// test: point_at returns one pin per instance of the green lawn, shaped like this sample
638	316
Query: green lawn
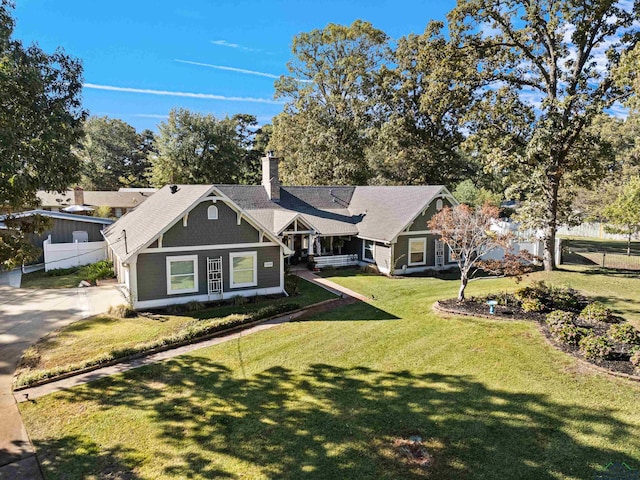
42	279
327	398
87	341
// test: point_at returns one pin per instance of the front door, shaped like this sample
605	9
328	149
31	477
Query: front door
439	253
214	275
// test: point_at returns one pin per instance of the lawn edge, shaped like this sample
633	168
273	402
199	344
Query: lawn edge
437	306
164	348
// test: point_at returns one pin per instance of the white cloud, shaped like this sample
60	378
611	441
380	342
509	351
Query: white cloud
224	43
230	69
204	96
150	115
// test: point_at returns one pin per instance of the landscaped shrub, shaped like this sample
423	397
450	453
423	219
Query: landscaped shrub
559	317
535	291
60	272
595	312
122	311
191	331
292	284
624	333
635	358
239	300
194	306
562	298
567	333
595	347
98	271
532	305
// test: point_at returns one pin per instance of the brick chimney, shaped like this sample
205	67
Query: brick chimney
78	196
270	178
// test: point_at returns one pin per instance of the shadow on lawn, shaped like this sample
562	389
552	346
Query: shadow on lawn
334	423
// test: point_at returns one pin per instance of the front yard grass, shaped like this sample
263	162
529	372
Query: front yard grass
103	338
330	397
42	279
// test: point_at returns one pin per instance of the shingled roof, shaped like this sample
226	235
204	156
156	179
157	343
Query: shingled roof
152	218
372	212
94	198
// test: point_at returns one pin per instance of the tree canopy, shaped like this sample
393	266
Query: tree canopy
322	132
548	66
114	155
40	123
199	148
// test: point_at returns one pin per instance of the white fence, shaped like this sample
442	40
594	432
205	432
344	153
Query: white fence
336	261
67	255
590	230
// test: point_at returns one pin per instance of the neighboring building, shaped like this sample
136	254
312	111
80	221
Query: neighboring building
208	242
79	200
73	240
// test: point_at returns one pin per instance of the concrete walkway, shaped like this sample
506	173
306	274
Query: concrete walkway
331	286
26	316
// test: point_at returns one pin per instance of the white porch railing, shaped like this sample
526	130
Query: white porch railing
336	261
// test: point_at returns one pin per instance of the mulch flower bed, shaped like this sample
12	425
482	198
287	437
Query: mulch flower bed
617	361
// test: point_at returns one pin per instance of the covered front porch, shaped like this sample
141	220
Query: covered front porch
323	250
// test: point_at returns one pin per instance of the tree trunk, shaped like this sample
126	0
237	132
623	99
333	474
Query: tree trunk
463	285
629	245
549	235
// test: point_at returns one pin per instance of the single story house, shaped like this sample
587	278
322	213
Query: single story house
210	242
72	240
80	200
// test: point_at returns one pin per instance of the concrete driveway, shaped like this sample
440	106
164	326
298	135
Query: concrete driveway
25	316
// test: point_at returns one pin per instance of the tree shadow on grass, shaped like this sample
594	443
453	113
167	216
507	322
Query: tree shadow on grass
331	422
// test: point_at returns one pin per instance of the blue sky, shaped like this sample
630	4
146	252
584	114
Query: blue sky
145	46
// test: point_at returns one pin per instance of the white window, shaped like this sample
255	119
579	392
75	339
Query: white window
243	269
80	236
439	204
118	212
417	251
212	212
182	274
367	250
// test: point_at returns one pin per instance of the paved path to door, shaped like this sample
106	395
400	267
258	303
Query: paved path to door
26	316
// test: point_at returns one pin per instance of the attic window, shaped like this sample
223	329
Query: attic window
439	204
212	212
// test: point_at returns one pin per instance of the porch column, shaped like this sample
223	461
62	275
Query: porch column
310	246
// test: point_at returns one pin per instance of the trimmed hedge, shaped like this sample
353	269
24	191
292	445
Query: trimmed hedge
191	331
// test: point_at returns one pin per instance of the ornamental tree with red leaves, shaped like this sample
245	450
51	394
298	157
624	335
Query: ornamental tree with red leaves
467	232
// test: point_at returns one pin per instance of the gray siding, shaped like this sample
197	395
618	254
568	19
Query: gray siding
152	271
202	231
420	223
401	250
62	232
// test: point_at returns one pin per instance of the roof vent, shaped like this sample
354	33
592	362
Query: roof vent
173	188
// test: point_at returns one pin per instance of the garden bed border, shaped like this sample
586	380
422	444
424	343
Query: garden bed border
438	307
171	346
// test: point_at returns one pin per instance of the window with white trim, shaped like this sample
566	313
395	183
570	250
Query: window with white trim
182	274
417	251
212	213
367	250
243	269
439	204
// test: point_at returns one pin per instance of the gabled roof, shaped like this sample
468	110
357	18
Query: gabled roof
384	211
121	199
323	208
159	213
61	216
